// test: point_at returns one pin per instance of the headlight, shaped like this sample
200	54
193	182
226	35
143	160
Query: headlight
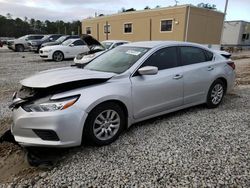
53	105
47	51
90	56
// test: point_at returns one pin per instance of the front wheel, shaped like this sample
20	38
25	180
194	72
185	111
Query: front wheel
215	94
58	56
19	48
104	124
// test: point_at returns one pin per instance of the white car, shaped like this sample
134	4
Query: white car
110	44
68	49
84	58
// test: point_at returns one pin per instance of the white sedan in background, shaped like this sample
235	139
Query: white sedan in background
84	58
68	49
110	44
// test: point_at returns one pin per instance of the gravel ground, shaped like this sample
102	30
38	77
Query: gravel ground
195	147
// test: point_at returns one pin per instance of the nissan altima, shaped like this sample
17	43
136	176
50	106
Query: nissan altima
137	81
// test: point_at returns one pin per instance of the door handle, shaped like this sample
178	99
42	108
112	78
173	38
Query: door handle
177	76
210	68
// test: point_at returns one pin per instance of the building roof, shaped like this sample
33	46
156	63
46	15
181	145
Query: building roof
237	21
151	10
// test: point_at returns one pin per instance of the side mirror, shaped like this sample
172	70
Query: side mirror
71	45
148	70
50	39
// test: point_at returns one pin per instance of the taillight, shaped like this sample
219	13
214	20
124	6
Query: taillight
231	64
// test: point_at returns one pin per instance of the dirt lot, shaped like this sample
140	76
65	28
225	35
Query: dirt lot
15	171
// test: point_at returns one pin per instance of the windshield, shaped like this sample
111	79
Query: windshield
67	42
117	60
107	45
61	39
23	37
45	37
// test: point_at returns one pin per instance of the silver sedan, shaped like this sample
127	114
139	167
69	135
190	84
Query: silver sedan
137	81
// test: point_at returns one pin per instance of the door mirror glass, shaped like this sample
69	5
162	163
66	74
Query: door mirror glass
148	70
71	45
50	39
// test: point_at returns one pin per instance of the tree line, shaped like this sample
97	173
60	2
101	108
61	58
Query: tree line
17	27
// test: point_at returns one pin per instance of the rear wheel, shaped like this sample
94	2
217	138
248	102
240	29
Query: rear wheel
104	124
215	94
58	56
19	48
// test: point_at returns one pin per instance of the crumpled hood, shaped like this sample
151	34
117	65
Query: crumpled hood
60	76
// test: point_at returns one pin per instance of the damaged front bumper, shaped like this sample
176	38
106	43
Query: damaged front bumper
48	129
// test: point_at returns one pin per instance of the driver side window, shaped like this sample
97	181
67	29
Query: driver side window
79	43
165	58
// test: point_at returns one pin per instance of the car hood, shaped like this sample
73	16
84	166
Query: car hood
61	76
90	41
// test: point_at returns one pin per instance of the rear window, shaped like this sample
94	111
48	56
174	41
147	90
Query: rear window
209	55
192	55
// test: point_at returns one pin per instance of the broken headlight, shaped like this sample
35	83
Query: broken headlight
52	105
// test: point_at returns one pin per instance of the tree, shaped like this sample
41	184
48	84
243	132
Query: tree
147	8
207	6
18	27
158	6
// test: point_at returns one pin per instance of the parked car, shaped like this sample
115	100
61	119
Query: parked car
21	44
68	49
134	82
60	40
35	45
1	44
110	44
83	58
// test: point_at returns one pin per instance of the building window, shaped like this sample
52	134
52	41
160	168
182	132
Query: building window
166	25
128	28
88	30
245	36
107	29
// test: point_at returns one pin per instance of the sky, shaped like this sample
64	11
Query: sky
69	10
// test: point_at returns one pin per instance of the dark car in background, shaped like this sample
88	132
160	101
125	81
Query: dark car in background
35	45
60	40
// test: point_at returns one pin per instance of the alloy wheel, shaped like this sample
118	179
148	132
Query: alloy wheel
58	56
217	94
106	125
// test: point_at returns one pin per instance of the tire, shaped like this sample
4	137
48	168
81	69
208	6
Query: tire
216	93
19	48
58	56
98	128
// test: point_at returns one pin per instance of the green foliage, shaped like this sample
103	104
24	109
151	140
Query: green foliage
10	27
207	5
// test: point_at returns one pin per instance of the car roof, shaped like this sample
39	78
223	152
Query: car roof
153	44
115	41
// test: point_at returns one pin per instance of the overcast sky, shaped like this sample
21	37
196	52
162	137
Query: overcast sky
68	10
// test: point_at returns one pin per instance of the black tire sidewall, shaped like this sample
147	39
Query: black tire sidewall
209	102
54	55
88	133
19	48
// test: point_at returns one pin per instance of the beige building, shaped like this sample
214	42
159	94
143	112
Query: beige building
180	23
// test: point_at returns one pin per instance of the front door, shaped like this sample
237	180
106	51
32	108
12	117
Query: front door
153	94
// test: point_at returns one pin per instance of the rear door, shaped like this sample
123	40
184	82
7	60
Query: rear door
153	94
198	67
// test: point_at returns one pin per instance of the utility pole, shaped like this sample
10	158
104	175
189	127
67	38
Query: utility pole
225	13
